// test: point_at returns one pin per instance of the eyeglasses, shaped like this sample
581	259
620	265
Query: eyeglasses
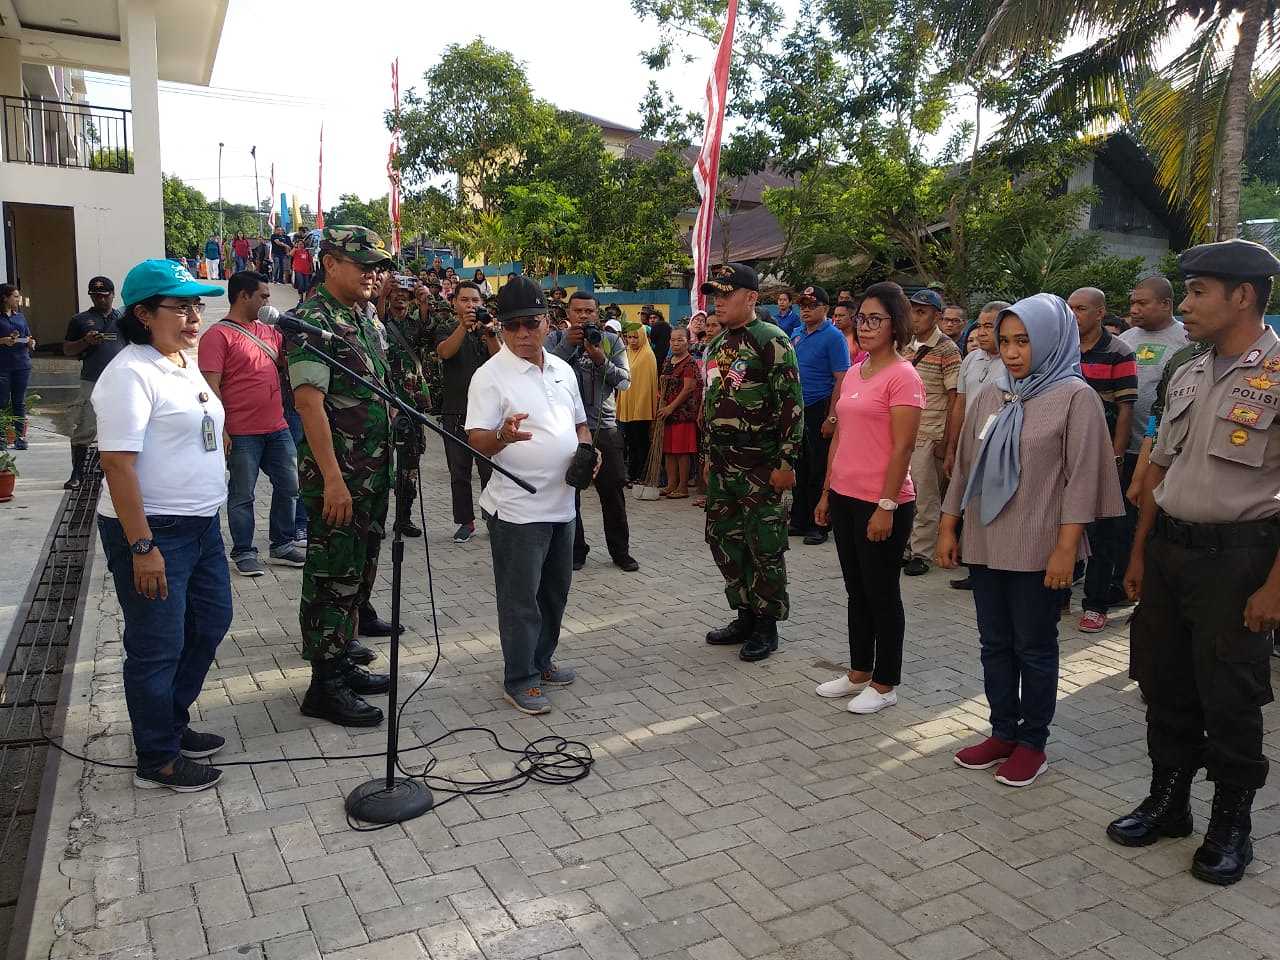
186	309
871	321
515	323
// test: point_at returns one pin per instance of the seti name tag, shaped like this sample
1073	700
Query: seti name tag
986	427
209	434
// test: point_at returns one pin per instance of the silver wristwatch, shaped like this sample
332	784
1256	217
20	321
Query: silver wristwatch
887	504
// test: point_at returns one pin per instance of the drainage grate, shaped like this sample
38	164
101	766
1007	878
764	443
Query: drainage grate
32	662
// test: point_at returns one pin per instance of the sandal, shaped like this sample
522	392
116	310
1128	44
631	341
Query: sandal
677	496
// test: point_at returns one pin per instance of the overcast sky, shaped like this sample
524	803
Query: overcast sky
331	60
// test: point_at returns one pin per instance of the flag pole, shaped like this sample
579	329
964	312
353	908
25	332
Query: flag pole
706	169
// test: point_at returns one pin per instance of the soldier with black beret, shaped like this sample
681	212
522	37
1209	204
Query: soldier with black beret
1205	565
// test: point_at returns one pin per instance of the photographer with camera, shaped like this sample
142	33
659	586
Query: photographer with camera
599	360
462	346
525	411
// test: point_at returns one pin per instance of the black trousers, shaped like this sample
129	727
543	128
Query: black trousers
873	580
611	485
812	468
460	459
636	436
1127	525
1204	675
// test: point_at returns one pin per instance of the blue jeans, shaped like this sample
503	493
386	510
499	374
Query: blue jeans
277	268
532	569
13	394
1018	631
275	455
169	644
241	263
291	417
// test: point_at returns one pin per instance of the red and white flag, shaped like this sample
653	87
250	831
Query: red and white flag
271	219
706	170
393	175
320	184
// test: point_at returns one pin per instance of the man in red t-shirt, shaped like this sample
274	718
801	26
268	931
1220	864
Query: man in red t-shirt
242	359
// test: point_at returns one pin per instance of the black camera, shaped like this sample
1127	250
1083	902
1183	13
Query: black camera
592	334
483	323
582	467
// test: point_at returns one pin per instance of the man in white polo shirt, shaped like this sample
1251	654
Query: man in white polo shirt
525	411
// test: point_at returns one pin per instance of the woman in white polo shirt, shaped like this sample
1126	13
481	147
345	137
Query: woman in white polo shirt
160	439
524	410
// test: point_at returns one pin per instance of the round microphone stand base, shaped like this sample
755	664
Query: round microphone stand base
372	802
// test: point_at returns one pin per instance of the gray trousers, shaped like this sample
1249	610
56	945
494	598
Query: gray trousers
85	430
532	570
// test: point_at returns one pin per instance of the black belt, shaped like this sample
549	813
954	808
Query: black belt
1218	536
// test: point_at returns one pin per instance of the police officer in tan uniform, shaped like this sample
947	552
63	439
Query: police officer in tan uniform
1205	565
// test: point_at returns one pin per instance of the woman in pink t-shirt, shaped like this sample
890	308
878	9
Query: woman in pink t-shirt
869	500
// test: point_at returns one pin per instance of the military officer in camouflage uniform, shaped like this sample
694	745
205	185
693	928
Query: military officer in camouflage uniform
344	473
1205	564
407	375
753	430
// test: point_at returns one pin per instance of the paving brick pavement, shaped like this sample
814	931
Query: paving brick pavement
731	813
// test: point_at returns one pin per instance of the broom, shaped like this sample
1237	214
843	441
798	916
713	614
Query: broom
650	487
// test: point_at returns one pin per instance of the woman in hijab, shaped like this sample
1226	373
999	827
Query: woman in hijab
638	404
1034	468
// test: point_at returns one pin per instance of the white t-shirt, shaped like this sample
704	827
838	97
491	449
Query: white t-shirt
507	385
1152	353
147	404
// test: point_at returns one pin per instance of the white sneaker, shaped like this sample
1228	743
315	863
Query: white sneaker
841	686
872	700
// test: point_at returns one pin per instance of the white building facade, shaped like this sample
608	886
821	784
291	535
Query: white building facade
80	185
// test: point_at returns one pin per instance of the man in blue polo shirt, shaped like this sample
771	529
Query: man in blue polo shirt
822	354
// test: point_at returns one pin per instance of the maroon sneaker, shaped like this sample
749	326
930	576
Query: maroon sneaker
985	754
1021	769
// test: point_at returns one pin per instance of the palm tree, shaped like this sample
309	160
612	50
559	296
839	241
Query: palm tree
1192	113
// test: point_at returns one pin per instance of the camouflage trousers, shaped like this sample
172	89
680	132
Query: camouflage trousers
747	533
342	563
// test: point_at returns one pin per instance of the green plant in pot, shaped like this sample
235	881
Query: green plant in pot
8	475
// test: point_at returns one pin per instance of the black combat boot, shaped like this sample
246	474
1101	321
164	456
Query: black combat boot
361	681
735	632
77	467
1227	849
1165	813
408	529
763	640
371	625
358	652
329	698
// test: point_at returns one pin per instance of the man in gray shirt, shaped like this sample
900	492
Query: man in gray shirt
1155	337
599	360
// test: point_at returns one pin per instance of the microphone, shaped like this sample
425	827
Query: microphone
290	323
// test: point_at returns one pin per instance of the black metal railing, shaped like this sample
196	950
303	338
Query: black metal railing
59	133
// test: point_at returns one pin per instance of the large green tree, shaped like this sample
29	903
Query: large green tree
1193	110
188	219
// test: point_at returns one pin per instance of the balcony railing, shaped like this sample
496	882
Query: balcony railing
58	133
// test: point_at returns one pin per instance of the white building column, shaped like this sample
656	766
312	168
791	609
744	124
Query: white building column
138	17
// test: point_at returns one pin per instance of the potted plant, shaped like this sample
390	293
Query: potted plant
8	475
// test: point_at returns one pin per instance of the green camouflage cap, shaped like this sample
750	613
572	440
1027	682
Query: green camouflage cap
355	243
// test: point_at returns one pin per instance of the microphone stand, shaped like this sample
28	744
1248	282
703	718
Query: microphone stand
393	799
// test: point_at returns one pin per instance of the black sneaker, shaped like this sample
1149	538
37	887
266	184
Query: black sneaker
187	777
815	538
464	532
197	746
916	567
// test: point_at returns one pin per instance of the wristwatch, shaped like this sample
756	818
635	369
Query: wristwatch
887	504
141	547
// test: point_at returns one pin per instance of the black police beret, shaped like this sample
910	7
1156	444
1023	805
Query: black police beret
1232	259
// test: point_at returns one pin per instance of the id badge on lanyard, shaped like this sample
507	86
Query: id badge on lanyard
208	429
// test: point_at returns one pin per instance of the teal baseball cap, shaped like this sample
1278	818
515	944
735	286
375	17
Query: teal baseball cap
166	278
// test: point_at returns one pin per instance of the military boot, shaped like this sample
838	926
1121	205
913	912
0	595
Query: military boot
735	632
358	652
1165	813
329	698
369	624
1227	849
763	640
361	681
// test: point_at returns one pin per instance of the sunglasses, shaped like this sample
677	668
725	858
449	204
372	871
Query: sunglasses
515	323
